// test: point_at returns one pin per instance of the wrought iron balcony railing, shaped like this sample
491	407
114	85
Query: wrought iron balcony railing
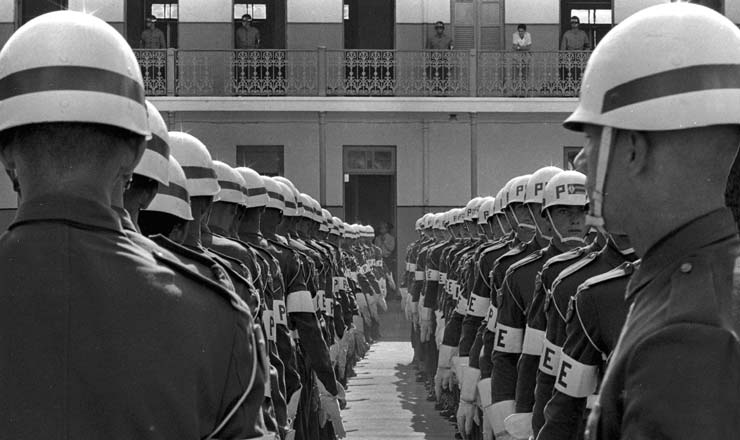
369	72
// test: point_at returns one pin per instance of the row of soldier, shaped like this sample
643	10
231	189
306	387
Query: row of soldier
511	290
149	291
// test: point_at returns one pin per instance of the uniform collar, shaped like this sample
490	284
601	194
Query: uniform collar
69	209
710	228
125	217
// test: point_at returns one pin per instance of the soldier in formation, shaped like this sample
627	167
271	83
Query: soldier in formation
581	338
172	296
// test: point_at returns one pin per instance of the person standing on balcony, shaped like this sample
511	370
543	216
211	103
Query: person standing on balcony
439	40
247	36
572	65
575	38
438	64
152	37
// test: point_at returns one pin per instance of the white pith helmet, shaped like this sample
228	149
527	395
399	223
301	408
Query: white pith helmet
154	163
289	200
275	193
565	188
67	66
516	190
231	183
196	162
537	183
173	198
486	210
254	188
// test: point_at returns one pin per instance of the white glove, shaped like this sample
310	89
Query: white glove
415	313
440	333
292	409
438	381
334	354
496	414
362	305
447	378
425	324
329	412
465	414
372	306
382	304
486	428
519	425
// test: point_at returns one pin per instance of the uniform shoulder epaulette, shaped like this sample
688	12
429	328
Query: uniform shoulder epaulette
494	247
573	268
228	261
221	290
623	270
566	256
177	248
534	256
279	244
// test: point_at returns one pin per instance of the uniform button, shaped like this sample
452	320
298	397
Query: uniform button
686	267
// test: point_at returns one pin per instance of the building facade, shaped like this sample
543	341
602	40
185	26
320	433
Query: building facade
343	98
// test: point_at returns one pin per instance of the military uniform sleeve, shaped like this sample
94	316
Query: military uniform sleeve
299	305
478	306
477	348
507	348
691	393
531	350
247	421
577	374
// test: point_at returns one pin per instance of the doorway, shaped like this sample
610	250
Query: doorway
268	16
30	9
596	17
370	188
369	24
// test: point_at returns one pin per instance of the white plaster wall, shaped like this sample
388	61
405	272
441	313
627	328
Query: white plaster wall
732	10
206	11
108	10
532	11
625	8
315	11
422	11
7	11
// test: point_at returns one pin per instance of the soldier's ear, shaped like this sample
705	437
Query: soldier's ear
6	154
634	151
133	154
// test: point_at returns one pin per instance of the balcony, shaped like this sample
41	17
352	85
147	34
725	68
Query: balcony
330	72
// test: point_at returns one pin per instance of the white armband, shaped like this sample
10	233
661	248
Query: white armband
432	275
279	312
478	305
508	339
492	315
300	302
576	379
533	341
419	275
550	358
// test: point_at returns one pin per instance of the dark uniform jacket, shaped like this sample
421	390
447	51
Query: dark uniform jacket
514	299
556	308
93	328
675	373
595	318
534	334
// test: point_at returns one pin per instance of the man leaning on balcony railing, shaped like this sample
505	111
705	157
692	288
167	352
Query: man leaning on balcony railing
521	43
